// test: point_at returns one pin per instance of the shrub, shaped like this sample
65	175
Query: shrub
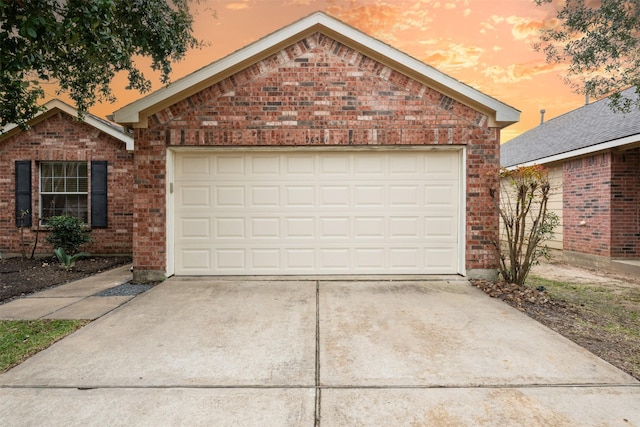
67	232
526	221
68	261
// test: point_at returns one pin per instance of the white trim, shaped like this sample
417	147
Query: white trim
462	214
88	119
170	214
581	152
130	114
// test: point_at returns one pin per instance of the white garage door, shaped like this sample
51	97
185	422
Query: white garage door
317	212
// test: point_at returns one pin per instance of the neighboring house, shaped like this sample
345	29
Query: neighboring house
64	166
593	154
315	150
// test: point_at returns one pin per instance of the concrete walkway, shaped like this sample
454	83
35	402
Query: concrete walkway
302	352
74	300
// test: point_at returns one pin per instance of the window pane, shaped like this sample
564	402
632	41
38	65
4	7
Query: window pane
46	170
46	184
83	185
72	185
58	169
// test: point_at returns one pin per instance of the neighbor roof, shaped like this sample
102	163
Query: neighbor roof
54	105
136	113
590	128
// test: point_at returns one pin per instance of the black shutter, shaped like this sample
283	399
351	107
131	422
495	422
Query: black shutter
99	194
23	192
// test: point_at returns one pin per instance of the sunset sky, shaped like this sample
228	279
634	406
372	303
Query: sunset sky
487	44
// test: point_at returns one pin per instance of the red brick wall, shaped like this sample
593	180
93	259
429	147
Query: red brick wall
587	205
62	138
317	92
625	204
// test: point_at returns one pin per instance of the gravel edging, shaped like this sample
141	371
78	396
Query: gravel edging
126	289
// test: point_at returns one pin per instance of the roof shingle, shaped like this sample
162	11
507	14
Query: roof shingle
589	125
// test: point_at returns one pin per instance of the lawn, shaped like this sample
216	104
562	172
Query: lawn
20	339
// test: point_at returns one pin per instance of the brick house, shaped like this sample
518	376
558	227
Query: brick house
315	150
593	155
64	166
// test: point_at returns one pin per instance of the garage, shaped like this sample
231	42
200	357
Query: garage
320	212
316	150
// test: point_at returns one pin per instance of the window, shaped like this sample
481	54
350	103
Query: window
64	190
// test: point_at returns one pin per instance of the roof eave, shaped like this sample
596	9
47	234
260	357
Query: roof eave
628	142
55	104
136	113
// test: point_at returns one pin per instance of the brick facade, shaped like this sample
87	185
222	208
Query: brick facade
625	204
316	92
602	204
60	137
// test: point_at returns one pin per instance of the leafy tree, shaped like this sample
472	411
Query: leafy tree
600	39
526	223
80	46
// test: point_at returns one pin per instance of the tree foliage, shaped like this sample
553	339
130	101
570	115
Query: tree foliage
526	222
600	40
80	46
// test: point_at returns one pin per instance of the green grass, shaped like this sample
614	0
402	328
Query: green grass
20	339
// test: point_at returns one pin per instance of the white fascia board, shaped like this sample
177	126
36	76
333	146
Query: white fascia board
582	151
88	119
131	113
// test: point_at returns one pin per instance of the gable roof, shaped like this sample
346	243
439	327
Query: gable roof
590	128
56	105
136	113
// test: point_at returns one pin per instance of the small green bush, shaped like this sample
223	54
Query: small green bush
68	261
67	232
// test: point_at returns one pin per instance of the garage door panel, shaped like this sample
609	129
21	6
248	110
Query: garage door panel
335	165
265	196
404	165
230	228
369	260
300	196
299	259
228	166
229	196
369	196
195	261
404	196
334	196
441	229
335	228
441	196
369	165
264	228
265	260
299	228
317	213
230	261
194	167
265	165
404	228
334	259
195	197
194	229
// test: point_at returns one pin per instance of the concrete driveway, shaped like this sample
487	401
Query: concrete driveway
305	352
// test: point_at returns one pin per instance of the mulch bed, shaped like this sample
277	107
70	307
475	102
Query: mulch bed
20	277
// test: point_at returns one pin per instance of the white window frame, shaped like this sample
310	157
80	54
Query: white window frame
65	179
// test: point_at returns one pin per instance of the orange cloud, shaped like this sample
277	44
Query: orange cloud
384	19
237	6
519	72
453	56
